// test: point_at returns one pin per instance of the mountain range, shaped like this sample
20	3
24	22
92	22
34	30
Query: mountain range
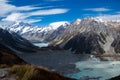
82	36
88	35
35	33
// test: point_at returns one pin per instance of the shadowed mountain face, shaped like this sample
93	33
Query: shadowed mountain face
8	57
85	43
90	35
116	44
15	42
10	44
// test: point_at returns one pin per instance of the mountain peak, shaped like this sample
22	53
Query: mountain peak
77	22
20	24
78	19
56	25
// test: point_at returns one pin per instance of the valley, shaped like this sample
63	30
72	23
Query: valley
80	67
82	50
59	40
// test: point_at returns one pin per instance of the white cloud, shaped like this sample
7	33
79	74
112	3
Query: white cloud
27	8
9	12
110	17
14	17
5	8
102	9
8	8
23	16
31	20
49	12
20	17
13	13
55	25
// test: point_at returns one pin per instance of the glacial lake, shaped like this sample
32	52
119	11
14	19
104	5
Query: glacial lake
74	65
41	44
96	70
71	66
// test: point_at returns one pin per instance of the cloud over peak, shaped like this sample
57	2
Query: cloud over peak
55	25
115	17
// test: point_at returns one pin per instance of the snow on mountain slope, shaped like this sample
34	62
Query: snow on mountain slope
35	33
56	25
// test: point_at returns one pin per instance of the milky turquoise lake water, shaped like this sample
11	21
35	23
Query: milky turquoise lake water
96	69
89	70
41	44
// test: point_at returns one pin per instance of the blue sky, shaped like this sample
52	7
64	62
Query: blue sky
45	12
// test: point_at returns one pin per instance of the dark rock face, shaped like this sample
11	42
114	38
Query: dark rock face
85	43
116	44
14	41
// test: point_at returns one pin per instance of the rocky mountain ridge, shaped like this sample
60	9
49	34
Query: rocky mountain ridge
90	35
93	35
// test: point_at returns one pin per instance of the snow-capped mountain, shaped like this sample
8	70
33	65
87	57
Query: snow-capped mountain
90	35
35	33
